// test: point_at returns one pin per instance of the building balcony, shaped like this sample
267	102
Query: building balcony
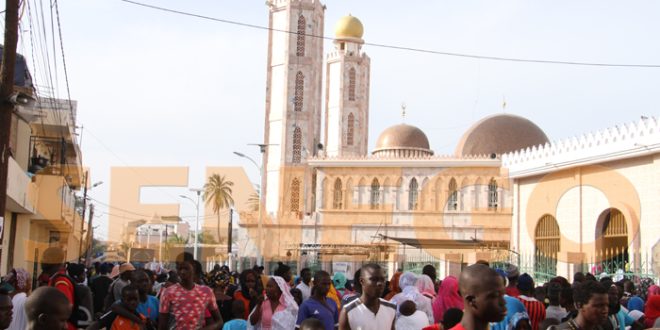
21	192
56	203
57	156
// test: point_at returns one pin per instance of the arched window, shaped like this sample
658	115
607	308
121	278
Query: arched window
452	202
297	145
492	194
350	130
337	195
413	194
299	92
351	84
300	42
295	195
546	247
374	199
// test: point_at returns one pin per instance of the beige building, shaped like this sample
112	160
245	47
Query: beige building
45	175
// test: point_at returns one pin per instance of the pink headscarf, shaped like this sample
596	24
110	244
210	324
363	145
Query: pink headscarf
653	290
425	286
447	298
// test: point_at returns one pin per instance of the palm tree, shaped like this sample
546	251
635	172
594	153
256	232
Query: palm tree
217	192
253	202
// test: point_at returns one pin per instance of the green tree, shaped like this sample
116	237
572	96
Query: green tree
175	239
205	237
253	202
217	192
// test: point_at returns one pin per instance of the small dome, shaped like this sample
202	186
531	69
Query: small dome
500	134
402	141
349	27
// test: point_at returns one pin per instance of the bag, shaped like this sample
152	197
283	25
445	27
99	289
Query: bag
82	314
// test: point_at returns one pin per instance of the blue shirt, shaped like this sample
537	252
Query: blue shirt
149	308
312	308
235	324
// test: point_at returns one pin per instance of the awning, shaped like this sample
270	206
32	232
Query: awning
432	243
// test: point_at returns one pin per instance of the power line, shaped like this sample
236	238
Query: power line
404	48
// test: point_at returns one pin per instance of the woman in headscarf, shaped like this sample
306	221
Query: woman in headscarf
409	291
426	287
278	311
394	286
332	294
516	315
447	298
218	281
339	281
249	292
20	280
635	304
652	310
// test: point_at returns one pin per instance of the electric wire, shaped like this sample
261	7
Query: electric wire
396	47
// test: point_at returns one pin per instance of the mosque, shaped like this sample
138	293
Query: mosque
507	194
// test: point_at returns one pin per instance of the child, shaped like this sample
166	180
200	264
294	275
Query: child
237	322
47	308
130	298
410	318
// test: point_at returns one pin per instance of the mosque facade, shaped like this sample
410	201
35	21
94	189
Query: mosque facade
507	194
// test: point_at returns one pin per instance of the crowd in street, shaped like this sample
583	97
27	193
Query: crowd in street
121	296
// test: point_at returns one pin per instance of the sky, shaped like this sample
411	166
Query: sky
161	89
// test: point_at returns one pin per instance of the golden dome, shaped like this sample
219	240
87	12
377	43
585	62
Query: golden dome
402	141
349	27
500	134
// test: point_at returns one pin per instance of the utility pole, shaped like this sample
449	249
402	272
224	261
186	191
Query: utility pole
82	217
229	229
90	237
6	91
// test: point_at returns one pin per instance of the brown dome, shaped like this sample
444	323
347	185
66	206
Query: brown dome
402	137
500	134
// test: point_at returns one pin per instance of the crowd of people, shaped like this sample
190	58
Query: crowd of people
121	296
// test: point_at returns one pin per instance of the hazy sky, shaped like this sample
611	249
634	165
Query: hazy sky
161	89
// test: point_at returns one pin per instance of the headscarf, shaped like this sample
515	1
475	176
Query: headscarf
334	295
394	285
339	281
425	286
653	290
652	310
19	276
636	304
218	279
447	298
515	312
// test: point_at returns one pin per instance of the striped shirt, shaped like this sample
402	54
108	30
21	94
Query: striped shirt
535	309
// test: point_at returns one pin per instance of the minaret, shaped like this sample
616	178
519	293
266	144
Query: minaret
347	92
293	97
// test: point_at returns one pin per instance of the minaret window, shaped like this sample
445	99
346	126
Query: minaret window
337	195
298	93
413	194
350	129
351	84
300	40
297	145
492	194
374	199
295	195
453	195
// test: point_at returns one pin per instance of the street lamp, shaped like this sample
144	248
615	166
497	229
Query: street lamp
261	188
198	191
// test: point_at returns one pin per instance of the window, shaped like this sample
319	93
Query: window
299	92
295	195
452	204
350	130
351	84
374	199
297	145
337	195
300	40
413	194
546	247
492	194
